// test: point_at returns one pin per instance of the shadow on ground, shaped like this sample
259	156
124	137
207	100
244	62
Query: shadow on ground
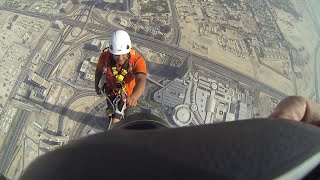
162	70
117	6
95	119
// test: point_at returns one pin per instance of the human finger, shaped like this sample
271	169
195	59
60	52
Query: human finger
312	114
129	102
291	108
134	103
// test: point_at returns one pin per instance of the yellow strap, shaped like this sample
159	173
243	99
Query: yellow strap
124	72
114	71
119	78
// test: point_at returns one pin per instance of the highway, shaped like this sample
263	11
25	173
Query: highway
66	107
46	69
105	30
175	24
178	52
54	58
22	75
8	148
98	18
7	152
88	120
31	14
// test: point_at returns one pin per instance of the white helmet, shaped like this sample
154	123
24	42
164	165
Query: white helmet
119	42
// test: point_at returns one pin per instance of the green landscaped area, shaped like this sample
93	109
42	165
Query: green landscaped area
155	7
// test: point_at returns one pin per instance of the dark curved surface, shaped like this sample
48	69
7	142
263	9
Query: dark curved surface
141	121
249	149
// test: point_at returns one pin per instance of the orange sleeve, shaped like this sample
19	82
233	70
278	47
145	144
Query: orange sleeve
101	61
140	65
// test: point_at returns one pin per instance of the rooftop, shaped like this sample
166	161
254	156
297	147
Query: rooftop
35	78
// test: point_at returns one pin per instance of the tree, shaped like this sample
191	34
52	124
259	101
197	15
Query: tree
134	20
130	29
149	34
142	31
159	37
143	23
165	29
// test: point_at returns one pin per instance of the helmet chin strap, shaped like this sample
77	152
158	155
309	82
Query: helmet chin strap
128	56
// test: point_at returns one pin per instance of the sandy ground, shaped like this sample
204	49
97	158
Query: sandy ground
231	60
53	94
66	93
52	33
16	166
26	151
31	146
217	53
63	49
69	64
53	121
13	54
269	77
6	122
264	105
11	65
80	108
73	35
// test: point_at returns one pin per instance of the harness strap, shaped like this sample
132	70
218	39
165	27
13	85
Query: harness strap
119	75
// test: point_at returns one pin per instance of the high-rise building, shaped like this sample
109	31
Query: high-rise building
125	5
94	45
39	81
37	97
76	2
131	3
99	2
42	88
94	60
186	68
58	25
84	66
67	7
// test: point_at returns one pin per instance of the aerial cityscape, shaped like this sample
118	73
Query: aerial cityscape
208	61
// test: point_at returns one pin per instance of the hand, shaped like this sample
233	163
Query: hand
298	108
132	101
